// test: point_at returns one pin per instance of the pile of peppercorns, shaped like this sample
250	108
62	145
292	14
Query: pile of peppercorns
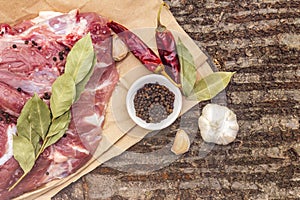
153	102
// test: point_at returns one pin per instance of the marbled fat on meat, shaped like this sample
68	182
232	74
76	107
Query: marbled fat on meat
32	56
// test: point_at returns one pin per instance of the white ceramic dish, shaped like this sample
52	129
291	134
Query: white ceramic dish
153	78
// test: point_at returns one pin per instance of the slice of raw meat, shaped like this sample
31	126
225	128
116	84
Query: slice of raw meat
12	100
32	56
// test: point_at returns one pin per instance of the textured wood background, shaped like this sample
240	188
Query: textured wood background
260	40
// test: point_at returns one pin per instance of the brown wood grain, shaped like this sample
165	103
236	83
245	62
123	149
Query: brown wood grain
260	40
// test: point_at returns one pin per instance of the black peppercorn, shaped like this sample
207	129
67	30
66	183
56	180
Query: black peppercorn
19	89
153	102
7	118
61	53
46	96
54	59
14	46
26	42
34	43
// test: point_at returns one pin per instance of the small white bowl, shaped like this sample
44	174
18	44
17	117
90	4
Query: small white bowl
153	78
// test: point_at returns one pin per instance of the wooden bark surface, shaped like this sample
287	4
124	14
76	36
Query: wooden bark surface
260	40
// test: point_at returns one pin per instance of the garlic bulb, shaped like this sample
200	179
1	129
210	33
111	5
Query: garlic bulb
181	143
218	124
120	49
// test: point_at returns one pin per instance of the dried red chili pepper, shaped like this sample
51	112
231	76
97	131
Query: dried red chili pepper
166	46
139	49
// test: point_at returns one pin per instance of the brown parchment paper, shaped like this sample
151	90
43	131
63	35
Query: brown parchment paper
119	132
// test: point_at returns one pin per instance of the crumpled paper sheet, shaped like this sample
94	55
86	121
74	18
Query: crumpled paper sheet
119	132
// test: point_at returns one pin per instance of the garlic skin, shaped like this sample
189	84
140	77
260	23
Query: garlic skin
120	49
218	124
181	143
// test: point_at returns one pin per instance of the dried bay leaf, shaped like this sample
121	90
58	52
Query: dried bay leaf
24	152
188	71
24	127
81	85
59	124
39	116
63	95
209	86
80	59
54	138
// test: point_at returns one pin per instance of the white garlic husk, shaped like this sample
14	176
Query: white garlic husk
218	124
181	143
119	50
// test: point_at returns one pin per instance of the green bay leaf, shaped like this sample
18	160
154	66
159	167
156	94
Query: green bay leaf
24	152
80	59
81	85
63	95
54	138
209	86
39	116
24	127
59	124
188	72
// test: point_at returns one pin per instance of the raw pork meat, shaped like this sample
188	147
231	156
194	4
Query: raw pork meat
32	56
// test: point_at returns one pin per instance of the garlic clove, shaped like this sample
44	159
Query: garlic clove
218	124
181	143
120	49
